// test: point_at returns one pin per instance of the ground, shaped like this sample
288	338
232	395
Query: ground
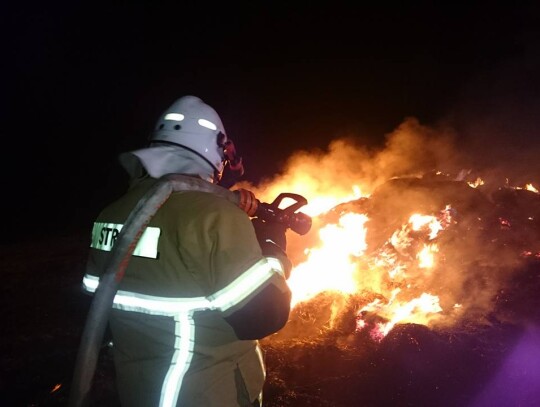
489	361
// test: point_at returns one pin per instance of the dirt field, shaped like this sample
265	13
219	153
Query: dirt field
492	361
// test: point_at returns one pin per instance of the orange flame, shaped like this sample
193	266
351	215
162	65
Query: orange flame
530	187
329	266
403	271
339	264
420	310
476	183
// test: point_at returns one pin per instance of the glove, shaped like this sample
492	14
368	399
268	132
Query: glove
270	233
247	201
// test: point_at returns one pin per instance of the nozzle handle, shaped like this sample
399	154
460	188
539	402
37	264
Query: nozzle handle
297	221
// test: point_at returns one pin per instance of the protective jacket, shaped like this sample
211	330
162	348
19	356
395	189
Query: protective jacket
197	294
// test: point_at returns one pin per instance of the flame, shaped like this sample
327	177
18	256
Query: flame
476	183
330	265
339	264
420	310
530	187
426	256
318	203
418	222
407	268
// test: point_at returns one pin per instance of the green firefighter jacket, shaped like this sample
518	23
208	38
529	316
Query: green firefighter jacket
197	263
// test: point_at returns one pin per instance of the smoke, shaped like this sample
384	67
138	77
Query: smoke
478	258
411	149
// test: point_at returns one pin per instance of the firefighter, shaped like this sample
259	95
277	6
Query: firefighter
205	281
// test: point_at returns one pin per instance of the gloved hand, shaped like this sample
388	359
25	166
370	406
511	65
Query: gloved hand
247	201
270	231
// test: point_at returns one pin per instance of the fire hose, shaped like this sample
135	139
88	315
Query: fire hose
125	244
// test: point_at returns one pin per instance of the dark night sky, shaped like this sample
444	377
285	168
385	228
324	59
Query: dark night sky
85	82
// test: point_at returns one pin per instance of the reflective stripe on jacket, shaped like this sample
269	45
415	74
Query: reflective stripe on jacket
198	262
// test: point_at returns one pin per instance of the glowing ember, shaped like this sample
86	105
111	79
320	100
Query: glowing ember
504	222
476	183
419	310
56	387
530	187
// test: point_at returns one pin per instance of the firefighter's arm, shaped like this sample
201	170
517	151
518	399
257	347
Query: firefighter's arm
273	241
268	311
247	287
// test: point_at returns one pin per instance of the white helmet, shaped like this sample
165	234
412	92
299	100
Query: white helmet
192	124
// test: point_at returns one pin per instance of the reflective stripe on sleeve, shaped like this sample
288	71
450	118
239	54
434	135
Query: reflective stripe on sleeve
276	266
245	284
